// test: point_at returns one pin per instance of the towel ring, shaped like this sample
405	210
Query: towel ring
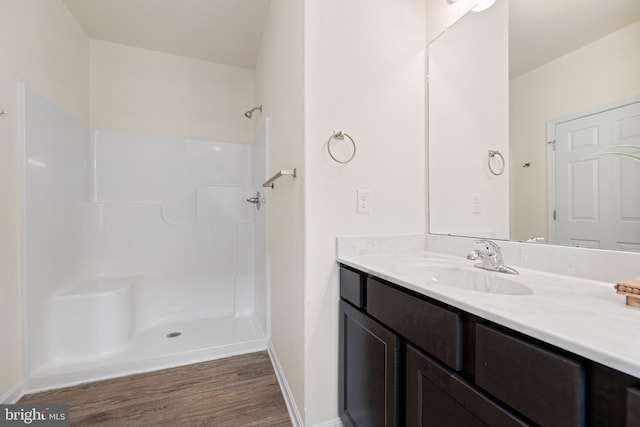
339	135
492	154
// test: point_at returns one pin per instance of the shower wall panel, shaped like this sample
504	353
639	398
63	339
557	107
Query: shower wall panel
174	210
56	172
259	176
168	171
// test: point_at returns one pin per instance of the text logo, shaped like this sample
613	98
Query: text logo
34	415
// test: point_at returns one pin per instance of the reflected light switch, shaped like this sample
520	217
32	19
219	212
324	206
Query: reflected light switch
475	203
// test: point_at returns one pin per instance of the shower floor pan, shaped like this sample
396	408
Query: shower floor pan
107	345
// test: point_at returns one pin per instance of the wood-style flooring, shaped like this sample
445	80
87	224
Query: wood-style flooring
236	392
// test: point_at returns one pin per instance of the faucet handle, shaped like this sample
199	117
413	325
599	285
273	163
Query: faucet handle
489	244
473	255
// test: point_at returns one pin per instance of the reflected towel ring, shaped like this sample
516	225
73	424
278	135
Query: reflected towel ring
339	135
492	154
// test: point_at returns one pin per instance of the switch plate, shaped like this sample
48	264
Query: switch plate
363	201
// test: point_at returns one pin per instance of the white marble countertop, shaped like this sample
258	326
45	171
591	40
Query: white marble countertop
583	316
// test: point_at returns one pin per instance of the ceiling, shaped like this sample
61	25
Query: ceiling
222	31
230	31
543	30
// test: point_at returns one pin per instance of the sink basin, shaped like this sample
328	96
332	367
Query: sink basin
467	278
418	266
477	280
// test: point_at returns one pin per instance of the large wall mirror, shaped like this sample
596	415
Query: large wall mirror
504	84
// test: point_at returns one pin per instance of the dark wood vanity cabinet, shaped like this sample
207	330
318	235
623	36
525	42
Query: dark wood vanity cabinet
408	360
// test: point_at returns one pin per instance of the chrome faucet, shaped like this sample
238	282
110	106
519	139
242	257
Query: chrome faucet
491	257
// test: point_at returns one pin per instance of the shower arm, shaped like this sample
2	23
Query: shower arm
249	114
280	173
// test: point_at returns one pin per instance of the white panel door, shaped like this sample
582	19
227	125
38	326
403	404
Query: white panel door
597	197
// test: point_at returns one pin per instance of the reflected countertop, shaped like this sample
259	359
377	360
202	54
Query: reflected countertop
583	316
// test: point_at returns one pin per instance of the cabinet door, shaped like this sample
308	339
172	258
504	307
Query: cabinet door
368	371
438	397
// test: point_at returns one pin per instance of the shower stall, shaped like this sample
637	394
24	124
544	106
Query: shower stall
138	252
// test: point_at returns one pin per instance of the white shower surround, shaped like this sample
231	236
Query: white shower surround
127	238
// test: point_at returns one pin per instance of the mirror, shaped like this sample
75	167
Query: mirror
503	80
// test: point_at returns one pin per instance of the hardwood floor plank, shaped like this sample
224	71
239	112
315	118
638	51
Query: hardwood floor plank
236	392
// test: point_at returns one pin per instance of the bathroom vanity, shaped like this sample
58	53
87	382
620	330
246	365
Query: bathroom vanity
418	352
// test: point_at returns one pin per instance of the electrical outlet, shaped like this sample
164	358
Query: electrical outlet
363	201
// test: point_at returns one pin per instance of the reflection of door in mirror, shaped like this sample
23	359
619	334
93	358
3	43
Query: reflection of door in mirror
593	187
598	73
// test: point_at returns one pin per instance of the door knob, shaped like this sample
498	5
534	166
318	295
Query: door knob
256	200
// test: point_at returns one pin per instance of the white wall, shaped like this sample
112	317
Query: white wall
148	92
602	72
466	120
41	41
10	362
40	44
440	15
368	80
365	75
280	88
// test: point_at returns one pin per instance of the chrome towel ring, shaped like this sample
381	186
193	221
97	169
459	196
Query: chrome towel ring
493	154
339	136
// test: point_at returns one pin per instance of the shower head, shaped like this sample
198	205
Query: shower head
249	113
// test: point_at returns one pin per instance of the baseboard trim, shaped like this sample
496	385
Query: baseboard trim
13	395
331	423
296	419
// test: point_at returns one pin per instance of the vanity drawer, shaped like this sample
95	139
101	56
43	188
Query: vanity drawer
434	329
352	287
546	387
633	406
